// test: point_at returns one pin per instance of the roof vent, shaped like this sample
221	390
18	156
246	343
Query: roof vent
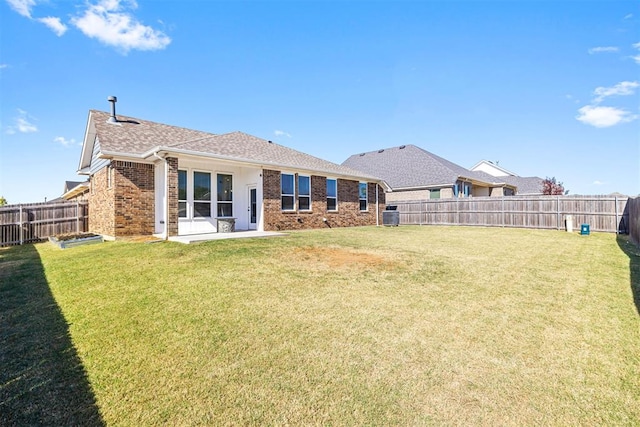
362	154
402	146
113	118
270	141
380	151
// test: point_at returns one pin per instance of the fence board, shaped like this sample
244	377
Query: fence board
602	213
634	220
35	222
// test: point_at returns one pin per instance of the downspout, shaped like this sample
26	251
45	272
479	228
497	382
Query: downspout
377	207
165	233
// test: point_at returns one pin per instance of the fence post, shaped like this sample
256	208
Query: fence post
20	225
77	216
617	224
558	212
503	211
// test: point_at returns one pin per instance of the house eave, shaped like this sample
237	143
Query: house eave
164	151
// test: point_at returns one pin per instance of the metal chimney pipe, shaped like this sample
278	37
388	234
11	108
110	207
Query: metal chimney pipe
113	118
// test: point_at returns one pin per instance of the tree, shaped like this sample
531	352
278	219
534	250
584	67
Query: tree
3	201
552	188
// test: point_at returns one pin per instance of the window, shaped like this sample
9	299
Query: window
304	193
201	194
434	194
287	188
225	195
362	195
332	195
182	194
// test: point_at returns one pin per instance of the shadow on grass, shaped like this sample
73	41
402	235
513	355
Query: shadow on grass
42	380
633	252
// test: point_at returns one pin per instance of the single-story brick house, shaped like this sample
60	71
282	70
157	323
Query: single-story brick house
148	178
416	174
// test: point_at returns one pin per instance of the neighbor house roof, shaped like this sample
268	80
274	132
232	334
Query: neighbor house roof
408	166
138	139
527	185
497	170
74	188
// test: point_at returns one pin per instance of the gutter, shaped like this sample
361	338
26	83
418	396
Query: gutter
255	163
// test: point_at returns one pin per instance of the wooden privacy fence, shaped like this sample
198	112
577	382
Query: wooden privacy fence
37	221
602	213
634	220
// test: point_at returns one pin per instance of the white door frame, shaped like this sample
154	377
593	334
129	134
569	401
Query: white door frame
250	215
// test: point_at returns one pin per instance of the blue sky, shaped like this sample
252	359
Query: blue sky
545	88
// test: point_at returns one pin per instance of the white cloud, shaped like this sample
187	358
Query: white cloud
636	58
603	117
22	124
603	49
23	7
281	133
66	142
597	182
107	22
628	16
54	24
3	66
621	89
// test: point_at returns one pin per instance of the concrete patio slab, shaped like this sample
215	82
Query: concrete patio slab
195	238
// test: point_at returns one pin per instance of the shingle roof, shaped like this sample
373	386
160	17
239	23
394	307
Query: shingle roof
408	166
526	185
135	137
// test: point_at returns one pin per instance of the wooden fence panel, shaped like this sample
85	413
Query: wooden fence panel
35	222
602	213
634	220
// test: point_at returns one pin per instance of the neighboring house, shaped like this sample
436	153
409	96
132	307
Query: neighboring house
416	174
152	178
531	185
75	190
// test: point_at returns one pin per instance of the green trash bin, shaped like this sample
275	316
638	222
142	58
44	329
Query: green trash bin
584	229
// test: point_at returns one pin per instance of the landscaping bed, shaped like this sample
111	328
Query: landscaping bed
64	241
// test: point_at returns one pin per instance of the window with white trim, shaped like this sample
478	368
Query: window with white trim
363	195
182	193
288	191
304	193
201	194
225	195
332	194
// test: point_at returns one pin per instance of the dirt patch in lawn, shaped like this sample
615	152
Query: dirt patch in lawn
343	258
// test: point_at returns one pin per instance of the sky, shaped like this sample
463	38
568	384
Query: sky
544	88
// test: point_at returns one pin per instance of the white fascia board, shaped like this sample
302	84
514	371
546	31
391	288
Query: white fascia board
87	145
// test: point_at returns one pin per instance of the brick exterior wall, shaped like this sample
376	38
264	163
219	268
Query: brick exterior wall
122	201
347	215
172	164
101	203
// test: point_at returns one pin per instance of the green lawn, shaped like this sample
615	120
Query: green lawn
362	326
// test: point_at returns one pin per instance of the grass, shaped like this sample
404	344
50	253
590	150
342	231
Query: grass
361	326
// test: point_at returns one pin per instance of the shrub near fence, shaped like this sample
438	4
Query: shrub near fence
37	221
602	213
